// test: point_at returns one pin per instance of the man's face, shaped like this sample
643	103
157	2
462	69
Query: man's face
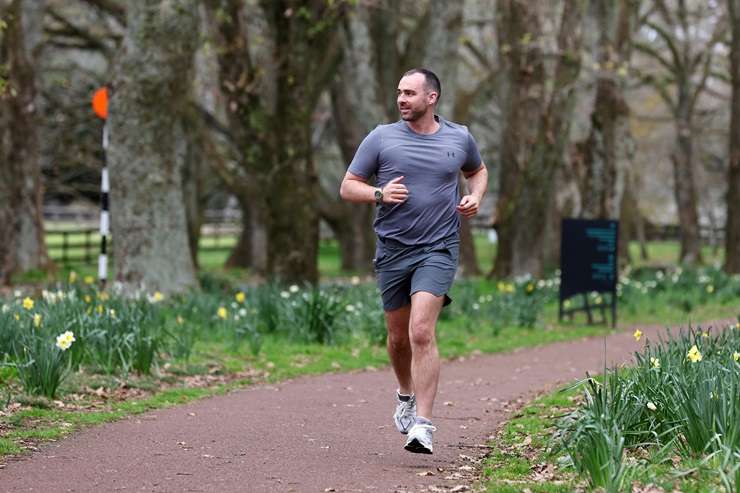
413	98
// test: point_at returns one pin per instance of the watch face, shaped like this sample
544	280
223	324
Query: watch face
378	196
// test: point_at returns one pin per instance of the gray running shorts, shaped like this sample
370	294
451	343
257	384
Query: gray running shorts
404	270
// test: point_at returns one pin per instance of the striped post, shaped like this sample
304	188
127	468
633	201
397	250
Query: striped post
104	215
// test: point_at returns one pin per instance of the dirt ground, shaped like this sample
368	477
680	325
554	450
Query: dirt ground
314	434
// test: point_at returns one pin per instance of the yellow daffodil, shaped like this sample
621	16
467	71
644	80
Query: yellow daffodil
37	320
72	277
705	334
710	289
694	355
89	280
501	286
736	356
99	309
530	287
87	298
112	313
65	340
103	296
510	288
240	297
637	334
222	313
27	303
156	297
16	316
654	362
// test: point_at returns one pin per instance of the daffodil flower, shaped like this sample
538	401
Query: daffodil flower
654	362
27	303
736	356
222	313
65	340
37	320
89	280
694	355
637	334
240	297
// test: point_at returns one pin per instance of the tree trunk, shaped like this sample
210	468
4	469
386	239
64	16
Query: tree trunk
685	187
147	149
23	244
732	227
536	132
607	151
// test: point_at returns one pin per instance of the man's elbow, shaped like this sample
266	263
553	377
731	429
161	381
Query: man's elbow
343	190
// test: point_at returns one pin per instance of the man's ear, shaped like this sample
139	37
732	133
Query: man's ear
433	99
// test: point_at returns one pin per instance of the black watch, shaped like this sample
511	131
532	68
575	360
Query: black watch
378	196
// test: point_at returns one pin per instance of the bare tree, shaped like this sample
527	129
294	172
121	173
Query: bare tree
732	228
682	41
147	148
537	114
21	210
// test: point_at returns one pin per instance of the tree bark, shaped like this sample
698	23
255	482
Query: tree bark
147	147
536	132
732	227
684	184
23	244
608	150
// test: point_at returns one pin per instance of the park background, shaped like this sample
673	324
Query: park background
247	113
234	262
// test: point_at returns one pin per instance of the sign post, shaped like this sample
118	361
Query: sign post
588	264
100	107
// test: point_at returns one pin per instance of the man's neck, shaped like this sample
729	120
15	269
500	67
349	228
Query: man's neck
427	124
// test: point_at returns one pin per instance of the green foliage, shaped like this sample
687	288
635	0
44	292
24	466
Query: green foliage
682	397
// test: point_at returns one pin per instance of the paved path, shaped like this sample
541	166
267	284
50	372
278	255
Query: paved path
314	434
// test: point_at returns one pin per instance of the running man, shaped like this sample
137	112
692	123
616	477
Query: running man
416	163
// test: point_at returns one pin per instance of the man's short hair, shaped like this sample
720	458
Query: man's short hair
431	81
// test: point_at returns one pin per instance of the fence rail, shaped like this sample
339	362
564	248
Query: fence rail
82	245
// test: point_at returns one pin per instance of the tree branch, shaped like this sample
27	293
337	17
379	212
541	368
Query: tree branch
70	30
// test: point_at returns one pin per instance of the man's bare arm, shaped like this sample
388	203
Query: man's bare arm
477	185
354	188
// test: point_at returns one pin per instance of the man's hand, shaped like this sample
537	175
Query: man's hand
395	192
468	206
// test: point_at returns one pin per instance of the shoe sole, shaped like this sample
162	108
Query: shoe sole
416	447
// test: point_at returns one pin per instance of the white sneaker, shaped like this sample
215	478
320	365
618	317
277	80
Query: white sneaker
405	414
419	440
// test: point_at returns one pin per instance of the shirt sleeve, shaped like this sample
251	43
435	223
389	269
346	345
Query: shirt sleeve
473	159
365	162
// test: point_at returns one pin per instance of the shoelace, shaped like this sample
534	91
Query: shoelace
425	427
407	407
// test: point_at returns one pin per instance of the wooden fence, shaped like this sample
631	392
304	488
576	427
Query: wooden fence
81	245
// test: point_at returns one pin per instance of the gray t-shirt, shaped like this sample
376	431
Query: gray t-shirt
430	165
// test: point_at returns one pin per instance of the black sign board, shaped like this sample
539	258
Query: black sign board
588	264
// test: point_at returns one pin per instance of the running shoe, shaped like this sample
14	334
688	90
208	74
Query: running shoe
419	439
405	414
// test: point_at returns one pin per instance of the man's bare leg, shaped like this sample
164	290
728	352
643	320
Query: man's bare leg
425	308
399	347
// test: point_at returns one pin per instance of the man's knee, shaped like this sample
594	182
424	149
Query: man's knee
421	333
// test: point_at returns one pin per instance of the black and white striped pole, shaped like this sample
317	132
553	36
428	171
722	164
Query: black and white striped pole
100	106
104	214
